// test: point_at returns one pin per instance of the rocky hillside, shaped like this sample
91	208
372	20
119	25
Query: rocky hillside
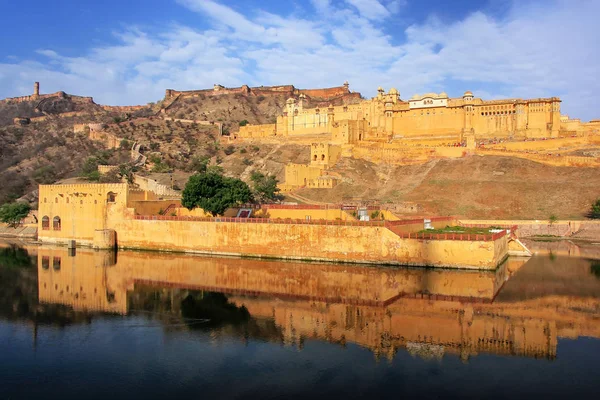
41	147
474	187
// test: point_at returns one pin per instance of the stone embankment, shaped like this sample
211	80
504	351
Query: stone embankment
23	231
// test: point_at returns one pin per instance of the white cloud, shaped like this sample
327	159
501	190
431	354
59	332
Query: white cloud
371	9
537	49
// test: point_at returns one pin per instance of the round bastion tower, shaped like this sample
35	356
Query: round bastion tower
36	90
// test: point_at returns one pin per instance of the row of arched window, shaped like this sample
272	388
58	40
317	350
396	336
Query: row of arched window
492	113
56	261
55	223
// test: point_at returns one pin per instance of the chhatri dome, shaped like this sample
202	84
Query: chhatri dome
394	91
468	93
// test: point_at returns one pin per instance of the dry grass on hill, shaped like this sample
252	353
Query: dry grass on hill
230	109
475	187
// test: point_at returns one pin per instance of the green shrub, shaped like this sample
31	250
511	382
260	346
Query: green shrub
13	213
595	211
229	150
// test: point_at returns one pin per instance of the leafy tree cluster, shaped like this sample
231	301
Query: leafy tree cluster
265	187
13	213
214	193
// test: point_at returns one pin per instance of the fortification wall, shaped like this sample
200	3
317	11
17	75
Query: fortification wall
549	159
105	169
121	109
326	93
353	243
257	131
300	174
307	214
526	228
542	145
151	185
109	140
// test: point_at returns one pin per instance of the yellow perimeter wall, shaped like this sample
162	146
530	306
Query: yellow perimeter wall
83	209
369	244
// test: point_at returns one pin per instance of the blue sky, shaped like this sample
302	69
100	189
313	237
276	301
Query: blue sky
129	52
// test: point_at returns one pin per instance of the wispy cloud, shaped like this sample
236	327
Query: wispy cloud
536	49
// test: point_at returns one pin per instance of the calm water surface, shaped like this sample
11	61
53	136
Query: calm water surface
148	325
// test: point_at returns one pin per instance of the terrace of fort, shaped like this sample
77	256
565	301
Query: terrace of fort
387	129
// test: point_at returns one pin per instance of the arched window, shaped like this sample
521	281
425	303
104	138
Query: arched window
110	197
56	223
45	262
45	223
56	263
322	157
315	158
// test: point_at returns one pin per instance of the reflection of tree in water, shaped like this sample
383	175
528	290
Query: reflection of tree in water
201	311
15	257
214	308
226	317
595	268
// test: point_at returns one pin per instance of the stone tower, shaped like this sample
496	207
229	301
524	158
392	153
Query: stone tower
36	89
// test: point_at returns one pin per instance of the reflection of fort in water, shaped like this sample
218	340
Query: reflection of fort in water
515	310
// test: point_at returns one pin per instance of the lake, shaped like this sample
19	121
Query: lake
97	325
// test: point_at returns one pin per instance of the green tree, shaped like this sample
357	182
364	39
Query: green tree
214	193
265	187
244	122
595	212
199	164
13	213
125	145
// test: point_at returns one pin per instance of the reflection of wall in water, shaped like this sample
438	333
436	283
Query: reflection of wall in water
383	309
324	282
459	328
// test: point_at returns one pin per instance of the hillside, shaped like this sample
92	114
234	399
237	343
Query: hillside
42	147
474	187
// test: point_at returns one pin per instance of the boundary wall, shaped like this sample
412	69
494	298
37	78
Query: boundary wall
529	228
337	241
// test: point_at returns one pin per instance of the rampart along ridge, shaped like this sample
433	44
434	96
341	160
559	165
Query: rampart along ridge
288	90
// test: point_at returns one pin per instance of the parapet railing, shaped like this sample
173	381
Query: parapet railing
283	221
452	236
309	207
418	220
289	221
